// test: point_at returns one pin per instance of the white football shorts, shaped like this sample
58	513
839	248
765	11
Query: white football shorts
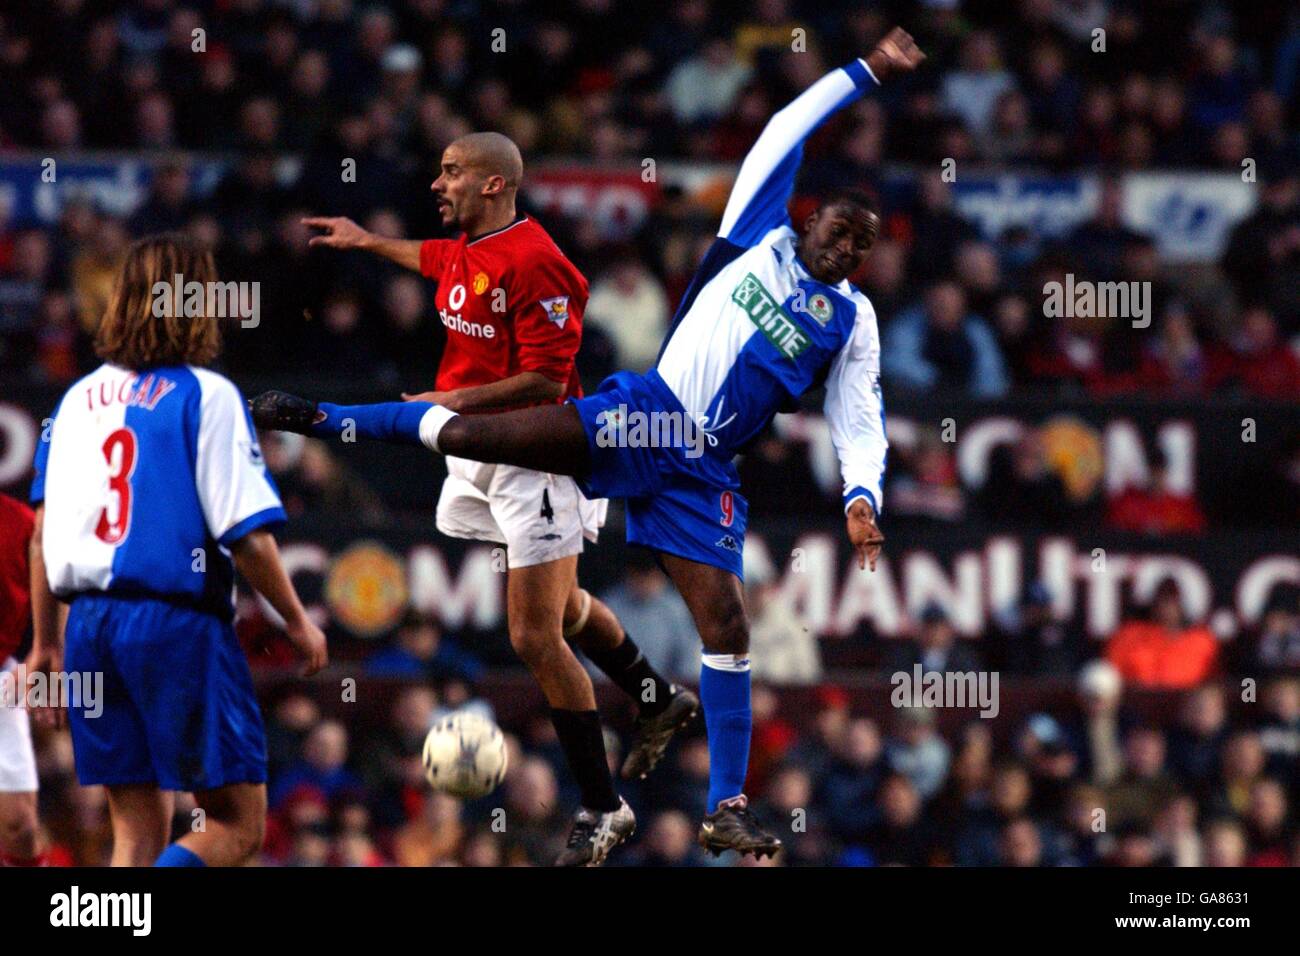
17	758
538	517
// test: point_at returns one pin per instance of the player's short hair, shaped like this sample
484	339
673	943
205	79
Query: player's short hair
854	198
131	335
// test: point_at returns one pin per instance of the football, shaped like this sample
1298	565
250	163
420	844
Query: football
465	755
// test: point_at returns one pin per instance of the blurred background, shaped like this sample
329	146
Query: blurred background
1103	516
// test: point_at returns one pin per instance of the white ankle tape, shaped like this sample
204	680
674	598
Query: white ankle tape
577	626
431	424
738	663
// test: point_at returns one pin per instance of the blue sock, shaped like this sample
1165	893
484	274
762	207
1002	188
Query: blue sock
397	422
177	855
728	720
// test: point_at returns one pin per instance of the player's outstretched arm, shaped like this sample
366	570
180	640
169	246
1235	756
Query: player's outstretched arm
342	233
766	179
258	559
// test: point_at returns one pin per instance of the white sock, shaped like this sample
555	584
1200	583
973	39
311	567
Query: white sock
431	424
736	663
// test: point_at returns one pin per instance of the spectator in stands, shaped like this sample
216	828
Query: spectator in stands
1082	839
169	205
1156	506
657	618
1262	256
311	479
1279	732
789	796
1194	745
434	836
1022	486
1146	784
1094	733
94	268
1176	362
630	305
850	776
705	86
935	647
1166	650
782	648
323	768
940	344
1266	366
938	231
923	481
1241	765
973	91
1029	639
1266	824
901	835
1225	843
977	841
669	841
420	651
917	751
1101	241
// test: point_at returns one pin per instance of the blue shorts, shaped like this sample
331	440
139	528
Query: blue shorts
678	502
177	708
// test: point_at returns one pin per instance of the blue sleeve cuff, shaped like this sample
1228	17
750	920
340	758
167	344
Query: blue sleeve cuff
853	494
37	495
861	74
268	516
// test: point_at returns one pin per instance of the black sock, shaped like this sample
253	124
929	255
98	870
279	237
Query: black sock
627	667
584	748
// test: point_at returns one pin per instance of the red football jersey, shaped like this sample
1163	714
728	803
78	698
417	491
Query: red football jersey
511	302
16	523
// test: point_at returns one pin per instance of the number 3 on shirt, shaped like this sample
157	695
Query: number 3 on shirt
115	518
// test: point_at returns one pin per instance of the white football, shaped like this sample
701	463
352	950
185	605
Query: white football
465	755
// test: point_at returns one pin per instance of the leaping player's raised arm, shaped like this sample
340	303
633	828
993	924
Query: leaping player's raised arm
766	179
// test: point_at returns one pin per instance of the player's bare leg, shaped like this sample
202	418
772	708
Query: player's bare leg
535	599
142	818
663	708
233	825
547	438
716	601
19	830
536	596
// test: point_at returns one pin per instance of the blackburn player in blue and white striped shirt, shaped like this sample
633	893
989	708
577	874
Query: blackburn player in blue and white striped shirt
148	483
769	315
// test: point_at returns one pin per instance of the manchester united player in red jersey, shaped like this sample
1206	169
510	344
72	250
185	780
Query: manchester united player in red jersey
18	828
512	305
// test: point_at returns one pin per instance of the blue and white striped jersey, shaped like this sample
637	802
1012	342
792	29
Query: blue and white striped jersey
756	330
147	478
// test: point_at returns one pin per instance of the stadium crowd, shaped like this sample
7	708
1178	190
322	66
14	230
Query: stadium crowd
1181	84
283	92
1089	784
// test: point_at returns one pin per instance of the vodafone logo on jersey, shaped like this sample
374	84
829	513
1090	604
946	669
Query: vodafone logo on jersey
454	322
